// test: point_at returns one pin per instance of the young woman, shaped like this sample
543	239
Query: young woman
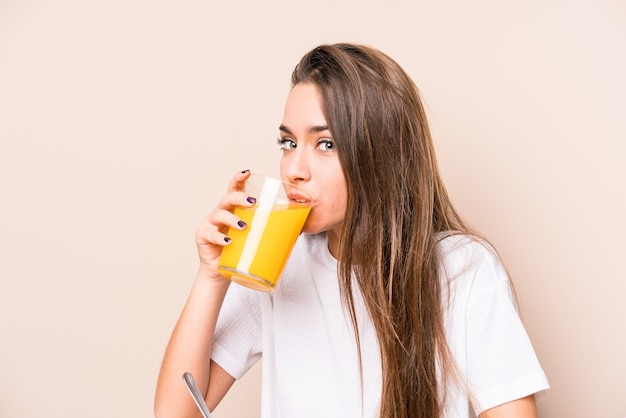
390	306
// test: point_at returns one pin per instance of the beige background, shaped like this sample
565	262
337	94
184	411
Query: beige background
121	121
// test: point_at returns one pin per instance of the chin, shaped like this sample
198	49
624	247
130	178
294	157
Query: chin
311	231
311	228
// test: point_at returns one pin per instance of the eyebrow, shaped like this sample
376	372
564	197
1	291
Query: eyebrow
312	129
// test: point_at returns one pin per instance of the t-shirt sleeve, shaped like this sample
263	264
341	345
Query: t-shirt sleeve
238	339
501	362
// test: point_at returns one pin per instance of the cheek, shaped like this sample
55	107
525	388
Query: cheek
336	183
341	197
336	204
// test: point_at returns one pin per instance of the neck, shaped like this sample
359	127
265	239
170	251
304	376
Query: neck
334	240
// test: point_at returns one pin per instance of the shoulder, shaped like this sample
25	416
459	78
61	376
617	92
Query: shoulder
470	261
461	250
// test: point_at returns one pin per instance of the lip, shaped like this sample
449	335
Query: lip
299	198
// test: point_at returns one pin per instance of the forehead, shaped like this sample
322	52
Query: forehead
304	107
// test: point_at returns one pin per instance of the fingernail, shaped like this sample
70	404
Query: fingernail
244	171
251	199
241	224
226	239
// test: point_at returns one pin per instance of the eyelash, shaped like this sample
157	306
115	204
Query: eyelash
282	143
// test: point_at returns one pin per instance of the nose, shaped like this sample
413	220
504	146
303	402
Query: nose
295	166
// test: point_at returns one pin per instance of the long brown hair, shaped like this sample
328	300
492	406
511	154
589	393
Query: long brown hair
397	210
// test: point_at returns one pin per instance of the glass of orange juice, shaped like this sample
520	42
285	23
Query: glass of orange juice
256	256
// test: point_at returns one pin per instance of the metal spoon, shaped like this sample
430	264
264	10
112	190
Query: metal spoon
195	393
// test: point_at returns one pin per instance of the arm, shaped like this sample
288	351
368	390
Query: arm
190	346
520	408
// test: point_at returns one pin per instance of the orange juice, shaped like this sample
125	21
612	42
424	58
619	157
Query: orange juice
257	255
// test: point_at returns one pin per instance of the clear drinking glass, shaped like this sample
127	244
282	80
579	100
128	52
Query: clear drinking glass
256	256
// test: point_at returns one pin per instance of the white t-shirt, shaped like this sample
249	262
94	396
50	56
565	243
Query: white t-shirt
310	358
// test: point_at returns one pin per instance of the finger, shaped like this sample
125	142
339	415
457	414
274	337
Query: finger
238	180
210	235
223	219
234	199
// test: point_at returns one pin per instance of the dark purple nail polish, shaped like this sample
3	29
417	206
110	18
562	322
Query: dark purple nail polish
244	171
241	224
226	239
251	199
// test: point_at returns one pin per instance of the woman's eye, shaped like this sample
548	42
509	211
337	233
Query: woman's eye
326	145
286	144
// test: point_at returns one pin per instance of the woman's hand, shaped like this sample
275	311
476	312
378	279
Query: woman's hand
211	233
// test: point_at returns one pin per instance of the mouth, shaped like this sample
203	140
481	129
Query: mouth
299	198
